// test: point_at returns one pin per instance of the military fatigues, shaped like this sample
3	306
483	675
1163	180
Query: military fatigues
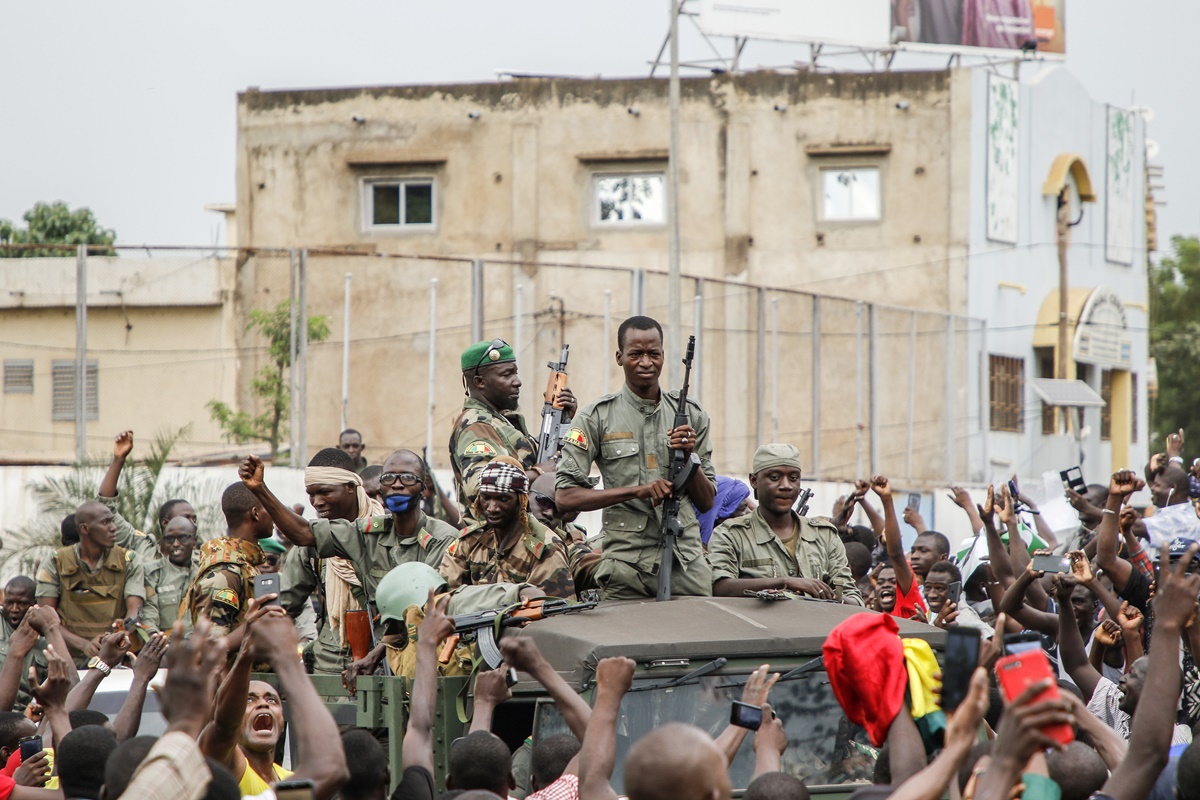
130	537
224	584
482	433
626	437
582	555
536	556
746	547
35	658
166	584
89	600
374	548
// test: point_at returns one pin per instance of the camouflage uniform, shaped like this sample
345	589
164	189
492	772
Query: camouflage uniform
536	556
481	434
35	658
582	555
224	584
626	437
129	537
166	584
746	547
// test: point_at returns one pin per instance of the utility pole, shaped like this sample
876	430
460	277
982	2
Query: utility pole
81	327
346	355
674	282
1063	234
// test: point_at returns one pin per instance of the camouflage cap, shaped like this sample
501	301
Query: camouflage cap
777	454
404	586
481	354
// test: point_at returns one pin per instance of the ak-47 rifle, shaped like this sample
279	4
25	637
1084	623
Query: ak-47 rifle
679	472
484	628
554	416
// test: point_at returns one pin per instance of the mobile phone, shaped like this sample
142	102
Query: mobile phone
30	747
962	656
265	585
1012	490
745	715
1023	642
295	790
1018	672
1073	479
914	501
1051	563
510	677
954	592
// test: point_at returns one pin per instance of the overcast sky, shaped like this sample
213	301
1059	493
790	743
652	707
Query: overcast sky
129	108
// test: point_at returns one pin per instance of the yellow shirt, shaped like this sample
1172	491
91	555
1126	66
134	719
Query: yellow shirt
251	783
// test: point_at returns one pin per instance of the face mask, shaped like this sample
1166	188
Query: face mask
399	503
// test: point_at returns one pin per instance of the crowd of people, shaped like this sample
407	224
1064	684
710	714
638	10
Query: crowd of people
390	552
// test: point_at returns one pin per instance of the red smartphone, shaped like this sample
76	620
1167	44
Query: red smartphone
1018	672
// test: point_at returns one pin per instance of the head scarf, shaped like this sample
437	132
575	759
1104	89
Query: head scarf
730	494
339	572
501	477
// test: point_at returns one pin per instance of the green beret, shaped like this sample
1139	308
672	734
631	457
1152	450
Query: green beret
482	354
272	545
775	455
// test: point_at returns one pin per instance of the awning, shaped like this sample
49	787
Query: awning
1066	394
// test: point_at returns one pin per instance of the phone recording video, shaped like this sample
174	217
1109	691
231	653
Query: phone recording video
744	715
265	585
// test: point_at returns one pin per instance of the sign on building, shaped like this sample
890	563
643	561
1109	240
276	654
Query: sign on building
1119	188
1102	334
1003	159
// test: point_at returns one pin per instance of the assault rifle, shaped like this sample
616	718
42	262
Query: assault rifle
679	472
485	628
554	416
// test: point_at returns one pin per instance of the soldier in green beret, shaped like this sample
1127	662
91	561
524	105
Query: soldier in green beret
490	425
776	548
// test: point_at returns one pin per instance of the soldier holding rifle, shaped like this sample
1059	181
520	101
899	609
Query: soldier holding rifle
630	435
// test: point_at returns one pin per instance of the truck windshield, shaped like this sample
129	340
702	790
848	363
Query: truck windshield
824	748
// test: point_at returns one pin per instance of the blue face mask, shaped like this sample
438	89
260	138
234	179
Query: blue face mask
399	503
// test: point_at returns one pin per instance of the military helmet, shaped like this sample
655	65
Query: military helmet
406	585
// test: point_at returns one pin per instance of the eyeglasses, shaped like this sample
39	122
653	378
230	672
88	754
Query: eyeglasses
545	502
494	347
405	478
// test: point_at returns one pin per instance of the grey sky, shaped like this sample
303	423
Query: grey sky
129	108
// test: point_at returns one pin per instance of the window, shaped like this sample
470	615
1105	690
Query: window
629	199
62	379
18	376
1007	403
405	203
1045	361
850	194
1106	412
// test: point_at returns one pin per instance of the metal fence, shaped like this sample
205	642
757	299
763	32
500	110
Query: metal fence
859	387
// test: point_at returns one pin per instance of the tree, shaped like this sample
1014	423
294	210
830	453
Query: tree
271	382
142	488
1175	337
55	223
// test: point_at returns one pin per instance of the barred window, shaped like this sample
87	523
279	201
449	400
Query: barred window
62	379
1007	403
1106	412
18	376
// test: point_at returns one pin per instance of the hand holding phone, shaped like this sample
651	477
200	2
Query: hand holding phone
962	657
745	715
914	501
30	747
265	585
1073	479
295	790
954	592
1016	674
1048	562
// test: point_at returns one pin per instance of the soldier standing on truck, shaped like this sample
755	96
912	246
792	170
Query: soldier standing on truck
630	436
776	548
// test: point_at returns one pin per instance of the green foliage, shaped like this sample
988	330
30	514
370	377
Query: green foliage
1175	337
55	223
143	487
270	384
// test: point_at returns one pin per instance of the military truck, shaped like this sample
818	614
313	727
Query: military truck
693	656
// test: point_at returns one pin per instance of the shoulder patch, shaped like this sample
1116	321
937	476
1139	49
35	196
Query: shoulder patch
480	448
424	539
129	555
140	533
226	597
576	437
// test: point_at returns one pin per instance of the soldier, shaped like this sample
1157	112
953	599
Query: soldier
372	545
776	548
350	442
19	607
168	579
629	435
490	425
508	545
583	555
144	544
92	583
224	581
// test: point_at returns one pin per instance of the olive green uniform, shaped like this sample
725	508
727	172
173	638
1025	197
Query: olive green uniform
481	434
166	584
90	600
746	547
374	548
536	556
129	537
35	658
626	437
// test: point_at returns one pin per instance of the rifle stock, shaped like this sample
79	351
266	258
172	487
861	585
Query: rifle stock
681	469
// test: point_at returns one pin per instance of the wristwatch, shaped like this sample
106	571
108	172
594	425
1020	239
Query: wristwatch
95	663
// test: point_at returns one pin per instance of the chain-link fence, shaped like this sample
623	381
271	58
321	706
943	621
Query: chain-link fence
179	338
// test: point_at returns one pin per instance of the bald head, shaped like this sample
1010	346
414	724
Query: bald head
404	461
88	513
676	762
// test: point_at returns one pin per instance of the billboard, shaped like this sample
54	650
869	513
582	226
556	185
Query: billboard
1119	195
1003	159
945	25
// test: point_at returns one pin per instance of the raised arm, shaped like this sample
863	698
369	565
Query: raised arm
52	694
129	718
755	692
293	526
1081	570
614	676
220	737
998	558
418	739
122	447
491	689
962	499
1070	643
891	535
770	742
1123	483
1013	604
113	647
20	644
522	652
